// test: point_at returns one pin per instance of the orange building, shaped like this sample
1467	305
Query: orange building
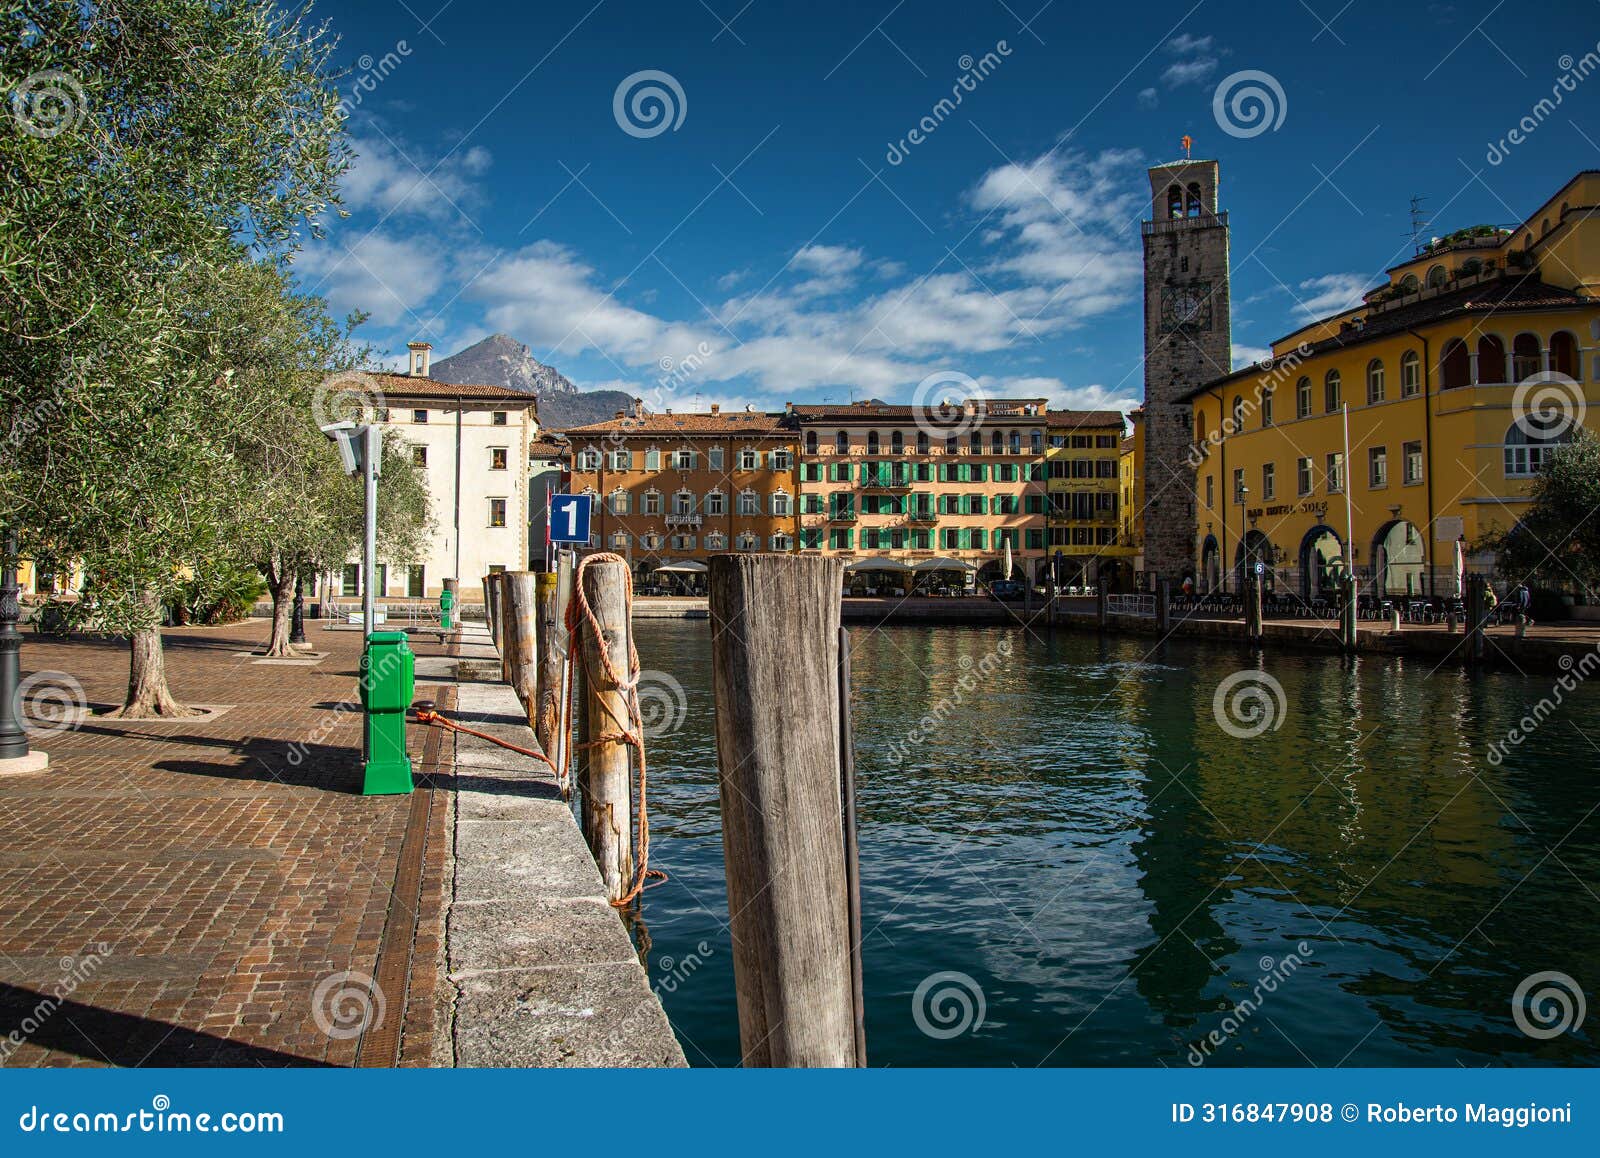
671	490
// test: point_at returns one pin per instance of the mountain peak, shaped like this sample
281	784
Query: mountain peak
501	360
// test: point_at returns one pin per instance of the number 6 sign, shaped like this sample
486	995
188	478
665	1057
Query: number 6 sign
569	518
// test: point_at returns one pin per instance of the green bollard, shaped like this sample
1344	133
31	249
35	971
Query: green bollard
447	605
388	681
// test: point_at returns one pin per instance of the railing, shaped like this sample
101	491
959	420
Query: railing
683	520
1177	224
1141	605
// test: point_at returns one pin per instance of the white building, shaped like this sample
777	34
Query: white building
474	442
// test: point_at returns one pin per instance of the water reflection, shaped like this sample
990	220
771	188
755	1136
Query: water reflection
1064	821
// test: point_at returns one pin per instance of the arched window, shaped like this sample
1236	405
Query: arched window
1174	201
873	445
1563	216
1192	206
1409	284
1374	381
1532	439
1266	406
1455	368
1410	374
1238	414
1302	398
922	442
1199	426
811	442
1564	354
996	442
1437	277
1014	441
841	442
975	442
1544	227
1332	392
952	444
1491	359
897	442
1527	358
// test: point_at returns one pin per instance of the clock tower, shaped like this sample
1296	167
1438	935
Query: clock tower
1187	342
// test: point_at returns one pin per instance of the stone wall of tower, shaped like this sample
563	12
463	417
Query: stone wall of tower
1188	342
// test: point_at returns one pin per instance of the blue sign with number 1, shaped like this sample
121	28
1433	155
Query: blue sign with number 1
569	518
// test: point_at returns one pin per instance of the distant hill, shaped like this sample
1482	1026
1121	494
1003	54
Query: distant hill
564	411
500	360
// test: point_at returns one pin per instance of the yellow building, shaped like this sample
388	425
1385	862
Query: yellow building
1084	499
1433	387
1131	472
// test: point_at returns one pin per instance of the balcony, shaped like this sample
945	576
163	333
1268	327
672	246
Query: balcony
927	517
842	516
683	520
1178	224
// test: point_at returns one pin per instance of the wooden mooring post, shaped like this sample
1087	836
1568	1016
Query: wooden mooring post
1477	617
1349	591
1102	603
1163	605
1252	609
606	813
519	608
550	693
774	662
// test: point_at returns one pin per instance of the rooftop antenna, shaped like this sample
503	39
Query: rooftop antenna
699	401
1188	143
1419	224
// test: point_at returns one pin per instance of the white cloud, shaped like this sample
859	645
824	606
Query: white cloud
1183	72
1184	44
1148	98
1247	355
828	260
1062	397
392	179
1330	294
389	277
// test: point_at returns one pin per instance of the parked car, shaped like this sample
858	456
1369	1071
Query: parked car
1008	589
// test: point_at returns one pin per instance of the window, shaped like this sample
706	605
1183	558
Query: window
683	503
1411	461
683	460
1455	365
811	442
748	459
416	584
1410	374
1378	467
619	540
383	414
419	456
1302	398
589	459
714	458
650	542
419	416
618	502
897	441
1266	407
621	460
1211	491
1331	392
782	459
351	580
841	442
922	442
1531	440
1527	356
780	504
497	512
1374	381
1304	481
747	542
1238	414
782	542
652	459
652	503
497	418
682	542
872	442
716	541
716	503
749	503
1238	486
497	458
1336	473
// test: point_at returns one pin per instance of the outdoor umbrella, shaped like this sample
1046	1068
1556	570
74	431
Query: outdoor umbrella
1460	569
1007	574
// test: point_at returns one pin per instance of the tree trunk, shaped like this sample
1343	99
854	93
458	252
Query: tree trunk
148	694
281	583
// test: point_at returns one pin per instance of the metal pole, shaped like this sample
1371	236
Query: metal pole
297	618
369	553
13	740
1349	519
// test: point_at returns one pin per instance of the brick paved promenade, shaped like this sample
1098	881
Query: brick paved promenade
183	887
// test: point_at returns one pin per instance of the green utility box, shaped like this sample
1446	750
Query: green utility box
388	681
447	607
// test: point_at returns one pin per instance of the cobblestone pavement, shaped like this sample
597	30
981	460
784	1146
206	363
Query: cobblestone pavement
176	893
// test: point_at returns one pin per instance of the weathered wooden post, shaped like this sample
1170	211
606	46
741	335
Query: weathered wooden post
1477	617
1349	590
519	605
487	625
1102	597
603	768
1252	608
775	655
551	683
1164	605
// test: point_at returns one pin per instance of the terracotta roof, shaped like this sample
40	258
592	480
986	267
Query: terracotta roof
1510	294
547	448
407	386
666	425
875	411
1074	419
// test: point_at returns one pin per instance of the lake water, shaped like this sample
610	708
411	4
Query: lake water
1090	853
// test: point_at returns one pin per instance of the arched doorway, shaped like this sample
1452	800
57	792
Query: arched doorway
1321	553
1210	566
1118	575
1397	559
1256	548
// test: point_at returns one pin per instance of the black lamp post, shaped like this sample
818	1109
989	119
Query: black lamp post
14	753
297	620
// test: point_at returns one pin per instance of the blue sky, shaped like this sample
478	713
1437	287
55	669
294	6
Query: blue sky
783	239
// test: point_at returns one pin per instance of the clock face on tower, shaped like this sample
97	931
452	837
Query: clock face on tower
1186	306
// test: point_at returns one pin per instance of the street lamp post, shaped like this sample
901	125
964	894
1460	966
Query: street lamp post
297	619
15	755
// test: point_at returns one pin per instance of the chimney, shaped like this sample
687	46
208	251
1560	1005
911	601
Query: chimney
788	407
421	358
716	408
622	414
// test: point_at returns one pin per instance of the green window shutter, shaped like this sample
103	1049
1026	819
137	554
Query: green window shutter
979	538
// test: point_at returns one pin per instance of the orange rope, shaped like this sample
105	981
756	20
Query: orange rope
430	716
629	731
